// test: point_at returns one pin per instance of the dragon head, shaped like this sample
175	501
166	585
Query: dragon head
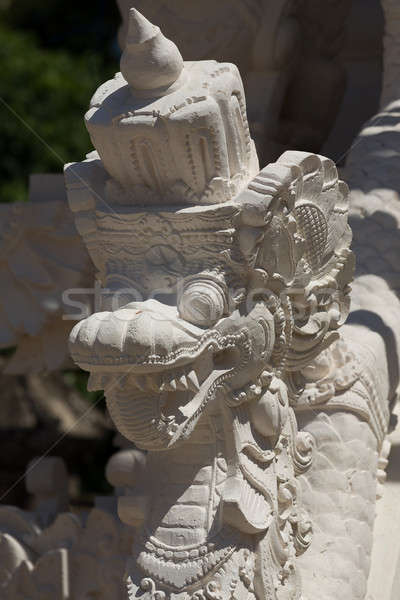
219	276
225	298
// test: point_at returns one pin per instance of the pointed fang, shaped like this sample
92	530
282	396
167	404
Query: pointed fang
192	381
182	383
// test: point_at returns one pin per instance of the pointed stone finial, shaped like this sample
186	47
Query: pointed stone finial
149	61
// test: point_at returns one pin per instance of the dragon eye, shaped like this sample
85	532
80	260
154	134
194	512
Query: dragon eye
202	302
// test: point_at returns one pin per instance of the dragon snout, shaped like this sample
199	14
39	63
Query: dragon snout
141	335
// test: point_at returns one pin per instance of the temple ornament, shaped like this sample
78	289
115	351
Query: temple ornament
222	283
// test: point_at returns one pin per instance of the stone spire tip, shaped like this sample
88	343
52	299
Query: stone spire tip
149	60
140	30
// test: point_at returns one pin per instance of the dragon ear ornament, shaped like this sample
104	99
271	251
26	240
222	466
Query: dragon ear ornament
295	237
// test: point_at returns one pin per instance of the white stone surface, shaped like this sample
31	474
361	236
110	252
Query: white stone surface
383	583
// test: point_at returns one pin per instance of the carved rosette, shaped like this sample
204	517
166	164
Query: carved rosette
215	302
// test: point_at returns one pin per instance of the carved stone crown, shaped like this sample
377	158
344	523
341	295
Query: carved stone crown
169	131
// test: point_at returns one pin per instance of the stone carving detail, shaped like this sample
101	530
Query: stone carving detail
41	255
221	284
60	555
340	492
341	378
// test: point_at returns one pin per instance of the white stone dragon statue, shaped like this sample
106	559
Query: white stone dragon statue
222	283
260	416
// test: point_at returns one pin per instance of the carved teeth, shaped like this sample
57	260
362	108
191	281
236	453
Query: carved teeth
168	386
192	381
170	382
182	383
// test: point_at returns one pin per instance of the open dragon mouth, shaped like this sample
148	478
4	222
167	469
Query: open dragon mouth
159	372
157	409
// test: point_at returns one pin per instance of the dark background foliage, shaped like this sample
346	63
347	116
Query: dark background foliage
53	56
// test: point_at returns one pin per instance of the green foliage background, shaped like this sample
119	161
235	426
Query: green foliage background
53	56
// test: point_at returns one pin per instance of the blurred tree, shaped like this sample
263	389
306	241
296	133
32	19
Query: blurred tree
73	26
53	56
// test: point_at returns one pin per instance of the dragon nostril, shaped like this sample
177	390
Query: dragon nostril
202	303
